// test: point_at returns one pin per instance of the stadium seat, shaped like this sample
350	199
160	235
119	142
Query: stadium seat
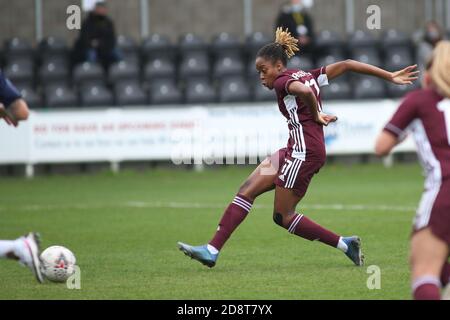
329	59
16	48
261	93
19	69
394	38
396	91
130	93
60	96
329	43
199	91
338	89
53	47
234	89
228	65
366	87
165	91
53	69
157	46
128	48
300	63
195	64
159	68
397	58
123	70
190	42
95	95
361	39
225	44
254	42
367	55
88	71
33	99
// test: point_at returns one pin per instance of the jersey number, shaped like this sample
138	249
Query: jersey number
313	83
444	106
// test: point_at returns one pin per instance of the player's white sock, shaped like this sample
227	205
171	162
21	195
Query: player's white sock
10	246
211	249
342	245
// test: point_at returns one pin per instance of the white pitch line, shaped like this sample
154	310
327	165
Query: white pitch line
195	205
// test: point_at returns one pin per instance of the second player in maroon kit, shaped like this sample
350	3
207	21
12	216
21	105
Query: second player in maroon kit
426	115
290	170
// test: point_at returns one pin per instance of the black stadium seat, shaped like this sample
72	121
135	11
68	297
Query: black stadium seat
195	64
190	42
199	91
165	91
60	96
338	89
360	39
329	43
366	87
367	55
128	49
95	95
157	46
394	38
53	47
254	42
159	68
122	70
234	89
397	58
88	71
226	44
53	69
19	70
16	48
130	93
300	63
227	65
396	91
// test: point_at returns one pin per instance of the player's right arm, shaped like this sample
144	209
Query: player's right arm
404	76
306	94
395	130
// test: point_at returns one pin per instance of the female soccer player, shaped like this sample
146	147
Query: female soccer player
426	113
289	171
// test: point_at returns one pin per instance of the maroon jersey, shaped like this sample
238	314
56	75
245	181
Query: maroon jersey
306	138
427	115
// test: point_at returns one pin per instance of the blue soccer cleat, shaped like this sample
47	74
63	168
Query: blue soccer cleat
199	253
354	250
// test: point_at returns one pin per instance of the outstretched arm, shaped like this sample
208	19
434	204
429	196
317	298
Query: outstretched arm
405	76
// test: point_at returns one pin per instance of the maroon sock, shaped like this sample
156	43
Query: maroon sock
445	274
426	288
308	229
232	217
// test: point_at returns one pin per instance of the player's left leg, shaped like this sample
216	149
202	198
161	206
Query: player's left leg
24	249
428	254
285	216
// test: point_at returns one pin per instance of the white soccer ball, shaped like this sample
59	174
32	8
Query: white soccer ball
58	263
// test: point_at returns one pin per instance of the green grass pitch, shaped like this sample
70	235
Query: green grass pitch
123	230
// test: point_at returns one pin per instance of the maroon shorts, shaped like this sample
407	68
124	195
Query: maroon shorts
294	173
434	211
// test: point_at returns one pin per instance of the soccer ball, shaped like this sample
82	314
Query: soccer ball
58	263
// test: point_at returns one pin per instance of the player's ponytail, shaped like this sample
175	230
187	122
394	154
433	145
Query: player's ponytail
287	41
284	47
440	67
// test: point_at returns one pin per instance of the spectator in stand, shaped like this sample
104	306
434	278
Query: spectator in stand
299	23
425	41
97	39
